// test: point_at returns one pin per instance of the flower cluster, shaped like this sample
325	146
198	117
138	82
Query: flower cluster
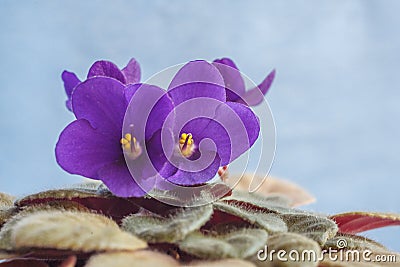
132	135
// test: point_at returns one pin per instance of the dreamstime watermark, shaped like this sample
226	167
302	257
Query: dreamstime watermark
334	254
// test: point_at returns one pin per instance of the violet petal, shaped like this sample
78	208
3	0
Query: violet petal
132	72
193	90
83	150
234	129
256	95
148	108
149	163
118	179
181	177
234	82
226	61
101	101
70	81
130	90
197	71
106	69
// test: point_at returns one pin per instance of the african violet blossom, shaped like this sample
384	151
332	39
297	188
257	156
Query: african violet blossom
201	113
162	133
128	75
236	90
90	146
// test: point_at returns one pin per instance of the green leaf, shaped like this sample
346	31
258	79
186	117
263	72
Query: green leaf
236	244
71	230
354	242
58	194
6	214
270	222
15	217
155	229
268	202
6	201
245	205
316	227
198	196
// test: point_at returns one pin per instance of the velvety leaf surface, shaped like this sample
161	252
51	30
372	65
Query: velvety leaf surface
270	222
6	230
89	197
356	222
318	228
6	200
69	230
350	241
207	194
155	229
6	214
263	201
236	244
7	208
254	202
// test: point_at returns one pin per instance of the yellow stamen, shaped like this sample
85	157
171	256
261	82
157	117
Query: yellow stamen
186	144
128	136
131	146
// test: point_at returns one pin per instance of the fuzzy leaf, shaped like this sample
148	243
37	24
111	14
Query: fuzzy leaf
7	208
5	233
6	201
271	200
71	230
198	196
6	214
289	242
354	242
57	194
236	244
88	196
156	229
132	259
270	222
356	222
316	227
269	204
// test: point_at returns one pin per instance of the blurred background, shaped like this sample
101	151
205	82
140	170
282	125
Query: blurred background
335	98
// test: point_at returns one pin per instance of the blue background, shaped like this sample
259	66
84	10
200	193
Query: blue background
335	99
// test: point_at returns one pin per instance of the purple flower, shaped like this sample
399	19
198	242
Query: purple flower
125	135
205	131
128	75
236	88
91	145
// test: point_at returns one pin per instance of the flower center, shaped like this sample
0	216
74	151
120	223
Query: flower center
130	146
186	144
